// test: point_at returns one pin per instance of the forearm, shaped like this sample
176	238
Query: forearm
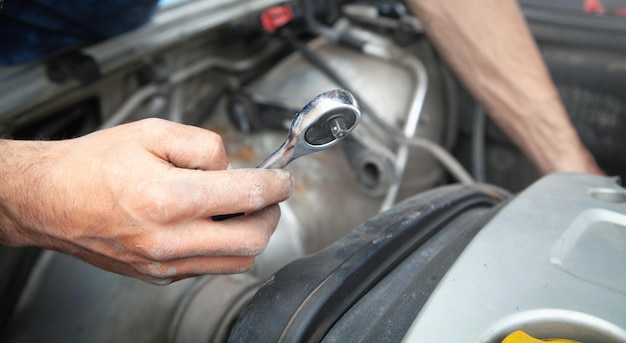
21	167
488	44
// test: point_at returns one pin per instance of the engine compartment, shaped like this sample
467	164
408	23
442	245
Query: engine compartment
206	63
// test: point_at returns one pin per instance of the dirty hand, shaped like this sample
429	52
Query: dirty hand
137	200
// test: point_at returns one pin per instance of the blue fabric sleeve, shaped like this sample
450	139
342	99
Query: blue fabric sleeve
34	28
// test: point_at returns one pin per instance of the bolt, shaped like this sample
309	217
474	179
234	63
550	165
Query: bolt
338	127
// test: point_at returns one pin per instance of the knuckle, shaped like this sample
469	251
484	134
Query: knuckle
153	123
266	187
156	203
144	250
258	242
273	212
154	249
149	251
149	126
214	139
242	264
151	273
159	271
245	265
157	280
256	199
284	183
254	191
214	144
161	282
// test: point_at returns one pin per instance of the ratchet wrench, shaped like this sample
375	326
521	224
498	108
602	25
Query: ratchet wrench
322	123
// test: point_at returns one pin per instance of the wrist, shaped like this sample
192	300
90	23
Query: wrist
541	128
22	190
552	143
576	159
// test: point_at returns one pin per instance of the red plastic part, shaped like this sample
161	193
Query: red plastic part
276	17
621	12
594	6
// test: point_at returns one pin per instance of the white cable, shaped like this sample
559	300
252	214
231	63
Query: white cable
453	166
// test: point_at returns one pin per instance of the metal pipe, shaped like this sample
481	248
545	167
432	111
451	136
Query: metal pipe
169	27
381	48
419	97
182	75
141	95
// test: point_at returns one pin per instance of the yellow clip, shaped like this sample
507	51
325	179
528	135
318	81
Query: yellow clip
522	337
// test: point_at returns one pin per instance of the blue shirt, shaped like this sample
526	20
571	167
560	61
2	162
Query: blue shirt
33	28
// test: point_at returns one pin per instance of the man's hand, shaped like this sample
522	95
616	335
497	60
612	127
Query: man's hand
137	200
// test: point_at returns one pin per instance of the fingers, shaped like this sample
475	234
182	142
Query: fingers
205	248
184	146
179	192
165	273
201	149
245	190
243	236
201	194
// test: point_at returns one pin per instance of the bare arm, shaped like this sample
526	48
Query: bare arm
137	200
488	44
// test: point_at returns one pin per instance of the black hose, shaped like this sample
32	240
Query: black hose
452	100
223	86
577	29
478	144
206	105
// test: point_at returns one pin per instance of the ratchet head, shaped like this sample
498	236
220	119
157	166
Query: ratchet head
322	123
326	119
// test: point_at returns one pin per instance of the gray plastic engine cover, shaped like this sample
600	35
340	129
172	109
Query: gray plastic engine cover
551	263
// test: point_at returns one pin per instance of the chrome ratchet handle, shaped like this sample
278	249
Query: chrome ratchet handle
278	159
322	123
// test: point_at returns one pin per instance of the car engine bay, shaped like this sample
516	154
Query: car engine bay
235	68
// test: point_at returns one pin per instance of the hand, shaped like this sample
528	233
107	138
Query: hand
137	200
